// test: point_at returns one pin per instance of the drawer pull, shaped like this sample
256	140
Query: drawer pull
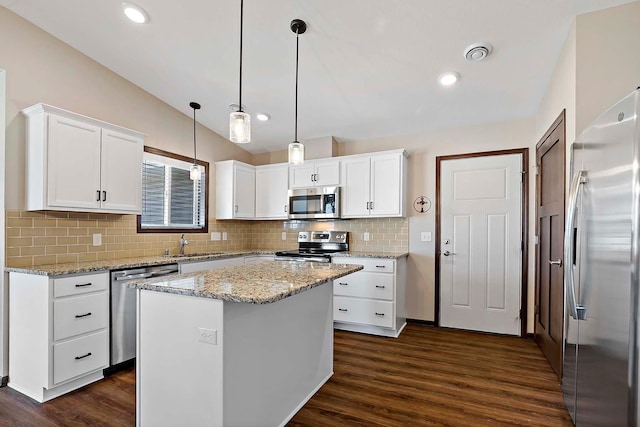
342	309
83	315
380	286
380	314
343	284
84	284
82	357
381	266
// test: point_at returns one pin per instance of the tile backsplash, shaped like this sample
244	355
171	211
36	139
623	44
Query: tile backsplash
38	238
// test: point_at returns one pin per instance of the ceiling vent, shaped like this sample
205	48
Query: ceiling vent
478	52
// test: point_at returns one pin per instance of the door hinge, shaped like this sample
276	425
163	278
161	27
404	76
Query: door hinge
522	175
537	168
520	314
536	240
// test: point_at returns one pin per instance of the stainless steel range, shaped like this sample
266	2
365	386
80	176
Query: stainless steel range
316	246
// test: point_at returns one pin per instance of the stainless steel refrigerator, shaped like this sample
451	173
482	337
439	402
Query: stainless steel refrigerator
602	249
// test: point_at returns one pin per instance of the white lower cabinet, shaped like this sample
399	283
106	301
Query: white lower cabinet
371	300
58	332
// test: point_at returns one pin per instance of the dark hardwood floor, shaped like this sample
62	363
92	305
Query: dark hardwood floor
428	376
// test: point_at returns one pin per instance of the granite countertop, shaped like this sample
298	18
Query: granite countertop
121	263
365	254
256	284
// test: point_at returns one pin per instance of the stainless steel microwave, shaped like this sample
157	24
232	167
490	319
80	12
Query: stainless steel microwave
314	203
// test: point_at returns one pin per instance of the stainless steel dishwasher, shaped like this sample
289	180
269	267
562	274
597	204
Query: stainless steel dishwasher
123	309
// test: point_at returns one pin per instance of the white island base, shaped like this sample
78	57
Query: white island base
265	362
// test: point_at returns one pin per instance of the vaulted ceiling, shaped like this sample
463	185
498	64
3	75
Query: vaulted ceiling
368	68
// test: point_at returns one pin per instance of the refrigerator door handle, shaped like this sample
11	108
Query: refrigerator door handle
575	311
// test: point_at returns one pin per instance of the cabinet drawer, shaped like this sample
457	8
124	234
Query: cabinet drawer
365	285
74	285
79	356
364	311
379	265
77	315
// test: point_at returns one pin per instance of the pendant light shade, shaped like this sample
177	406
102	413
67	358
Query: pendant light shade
240	127
194	172
239	121
296	149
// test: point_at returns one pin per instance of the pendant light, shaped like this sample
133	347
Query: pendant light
296	149
194	173
239	121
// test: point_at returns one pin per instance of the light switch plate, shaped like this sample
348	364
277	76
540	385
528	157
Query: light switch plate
97	239
425	236
284	235
366	236
215	235
224	235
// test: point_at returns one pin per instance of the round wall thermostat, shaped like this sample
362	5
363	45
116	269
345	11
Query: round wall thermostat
422	204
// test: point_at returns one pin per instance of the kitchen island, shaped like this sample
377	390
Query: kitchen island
239	346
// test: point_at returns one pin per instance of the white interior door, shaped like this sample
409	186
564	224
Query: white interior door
480	243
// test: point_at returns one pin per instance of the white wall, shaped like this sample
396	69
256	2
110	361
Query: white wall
423	149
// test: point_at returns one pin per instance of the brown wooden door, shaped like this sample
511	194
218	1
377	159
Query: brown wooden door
550	194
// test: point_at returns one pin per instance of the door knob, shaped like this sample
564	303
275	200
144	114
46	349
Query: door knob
447	253
557	262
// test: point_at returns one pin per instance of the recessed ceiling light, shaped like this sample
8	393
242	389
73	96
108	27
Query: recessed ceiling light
263	117
448	79
135	13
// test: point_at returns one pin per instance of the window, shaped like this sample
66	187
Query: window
171	201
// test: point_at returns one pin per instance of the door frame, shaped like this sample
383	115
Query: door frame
4	289
524	228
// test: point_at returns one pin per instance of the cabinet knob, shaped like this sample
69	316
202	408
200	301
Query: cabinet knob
381	266
380	314
342	309
343	284
380	286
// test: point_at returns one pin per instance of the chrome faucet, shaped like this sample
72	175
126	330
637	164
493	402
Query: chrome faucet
183	242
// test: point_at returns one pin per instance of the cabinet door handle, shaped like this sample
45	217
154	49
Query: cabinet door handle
370	205
380	286
286	208
315	177
381	266
367	205
78	316
236	208
311	177
343	284
104	196
342	309
98	196
82	285
82	357
380	314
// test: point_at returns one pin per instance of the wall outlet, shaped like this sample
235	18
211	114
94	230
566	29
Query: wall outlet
366	236
208	336
284	235
215	235
97	239
425	236
224	235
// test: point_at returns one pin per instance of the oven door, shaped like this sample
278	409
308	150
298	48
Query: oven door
314	203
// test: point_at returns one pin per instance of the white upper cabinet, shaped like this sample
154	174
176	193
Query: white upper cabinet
272	199
235	190
76	163
374	185
315	173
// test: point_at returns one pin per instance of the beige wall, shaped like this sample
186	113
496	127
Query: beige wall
41	68
607	59
423	149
